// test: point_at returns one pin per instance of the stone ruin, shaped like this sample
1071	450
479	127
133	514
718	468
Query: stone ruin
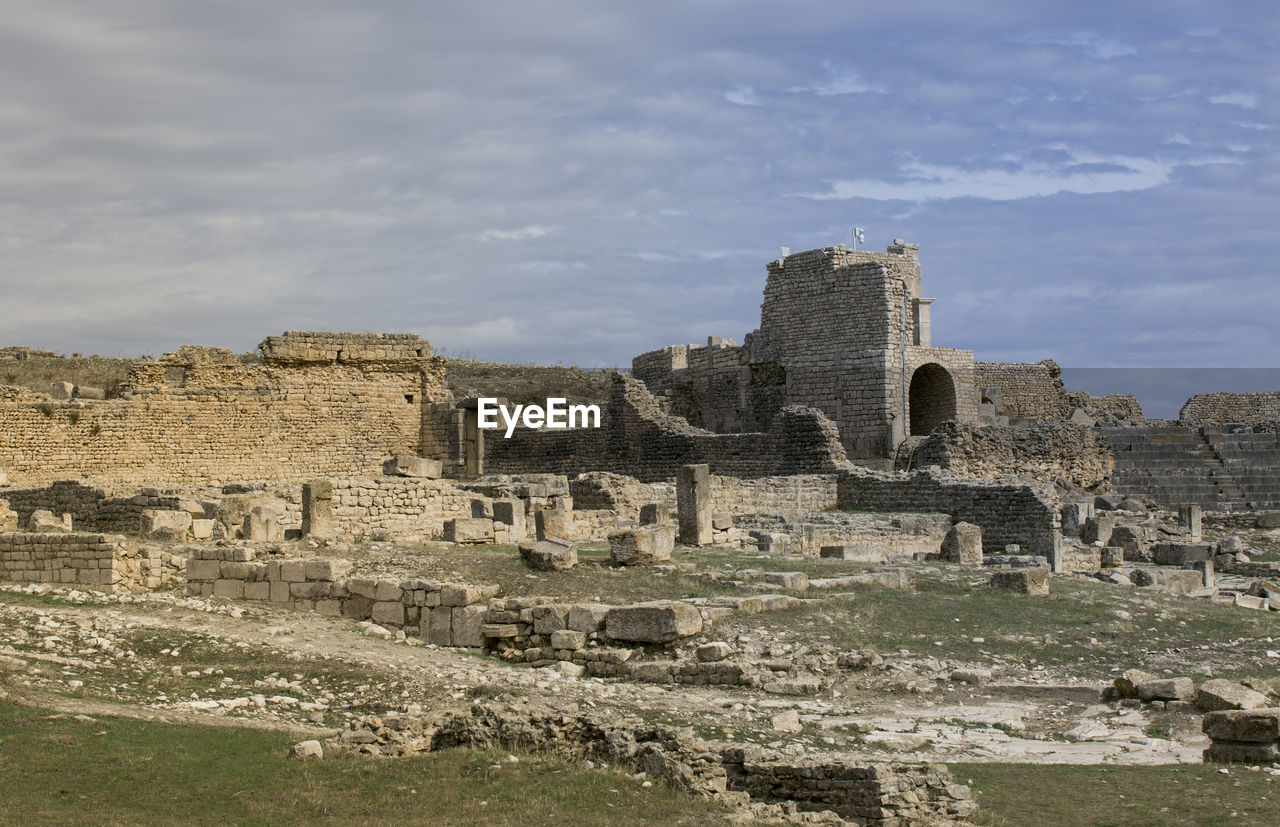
836	431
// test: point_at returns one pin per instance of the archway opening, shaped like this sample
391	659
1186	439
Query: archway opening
932	398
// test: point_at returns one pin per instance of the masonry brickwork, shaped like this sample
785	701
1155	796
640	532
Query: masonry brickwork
320	403
1044	450
1211	409
1034	391
103	562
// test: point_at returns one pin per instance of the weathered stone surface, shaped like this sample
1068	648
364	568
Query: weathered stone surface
1177	554
510	512
657	622
1167	689
963	545
587	617
793	580
317	510
693	504
553	523
654	514
552	554
1025	581
1098	528
157	524
1247	725
468	530
643	546
1233	752
714	651
1126	685
1112	557
411	466
466	623
568	639
1221	694
306	751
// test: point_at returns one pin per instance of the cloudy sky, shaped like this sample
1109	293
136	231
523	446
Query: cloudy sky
577	182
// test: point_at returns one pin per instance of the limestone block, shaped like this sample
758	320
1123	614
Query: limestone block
654	513
328	570
1189	517
293	571
693	504
467	621
510	511
654	671
1025	581
1180	581
228	588
1167	689
1126	686
772	542
550	555
459	594
714	651
587	617
553	522
387	613
158	524
233	509
61	390
202	569
317	510
411	466
499	631
42	521
468	530
1132	540
1112	557
1255	726
202	529
86	392
258	590
568	639
793	580
549	618
1074	516
656	622
8	518
643	546
262	525
357	606
1232	752
438	626
1097	529
1221	694
963	545
1177	554
1268	519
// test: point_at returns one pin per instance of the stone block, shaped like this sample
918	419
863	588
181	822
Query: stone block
1112	557
437	626
293	571
693	504
461	594
714	651
159	524
387	613
61	391
856	552
1255	726
257	590
1219	694
1268	519
553	523
1189	517
203	569
1181	581
1025	581
1178	554
643	546
317	510
1231	752
549	618
654	514
202	529
228	588
568	639
656	622
499	631
510	511
1074	516
773	542
550	555
467	621
793	580
410	466
721	523
1167	689
963	545
262	525
328	570
1097	529
358	607
587	617
468	530
654	671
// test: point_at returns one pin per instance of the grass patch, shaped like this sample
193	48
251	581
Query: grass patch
1056	794
55	769
39	372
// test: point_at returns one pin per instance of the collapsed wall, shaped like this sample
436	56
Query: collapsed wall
104	562
1034	391
1262	408
319	404
637	438
1008	512
1043	450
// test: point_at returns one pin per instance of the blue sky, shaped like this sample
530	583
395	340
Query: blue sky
578	182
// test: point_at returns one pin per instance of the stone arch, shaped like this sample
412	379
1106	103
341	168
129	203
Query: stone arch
931	399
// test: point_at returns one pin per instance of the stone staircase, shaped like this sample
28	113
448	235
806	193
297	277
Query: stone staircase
1176	466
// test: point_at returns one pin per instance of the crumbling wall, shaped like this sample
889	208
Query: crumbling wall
200	415
1008	512
93	506
1045	450
619	492
1031	390
637	438
1112	409
786	496
98	561
398	506
1223	408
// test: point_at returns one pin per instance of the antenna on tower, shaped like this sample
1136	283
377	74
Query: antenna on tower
859	235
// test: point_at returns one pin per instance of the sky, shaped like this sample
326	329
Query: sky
578	182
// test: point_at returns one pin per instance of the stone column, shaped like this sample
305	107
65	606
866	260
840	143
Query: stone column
693	504
317	509
1190	520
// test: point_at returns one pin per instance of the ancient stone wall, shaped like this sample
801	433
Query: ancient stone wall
1031	390
1045	450
105	507
786	496
1112	409
200	415
1224	408
399	507
637	438
103	562
1008	512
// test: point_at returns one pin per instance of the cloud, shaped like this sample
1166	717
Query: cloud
839	80
1104	48
1241	99
1085	174
743	96
519	234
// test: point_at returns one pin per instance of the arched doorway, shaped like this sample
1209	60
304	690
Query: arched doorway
932	398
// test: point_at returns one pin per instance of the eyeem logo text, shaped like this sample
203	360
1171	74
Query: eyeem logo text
557	414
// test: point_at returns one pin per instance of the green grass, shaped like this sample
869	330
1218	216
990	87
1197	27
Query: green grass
55	769
1055	794
1075	626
